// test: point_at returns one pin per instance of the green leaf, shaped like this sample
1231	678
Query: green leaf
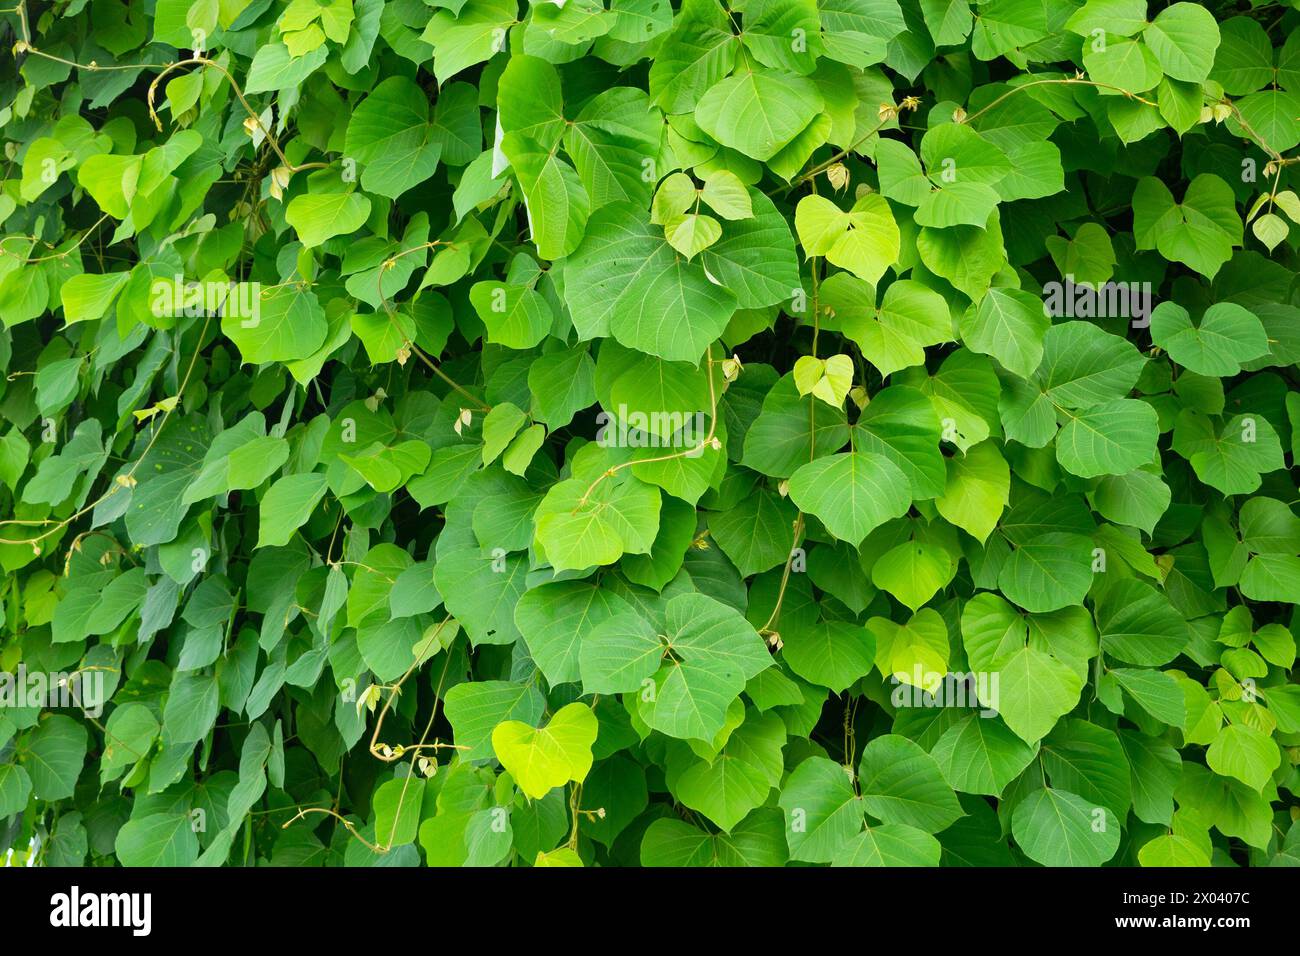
580	530
1137	499
556	618
1231	458
1112	438
698	52
1138	624
910	317
914	653
475	708
822	811
87	297
1274	115
192	707
739	779
912	572
1052	571
692	233
1226	337
555	200
900	423
892	844
1172	850
1124	64
273	68
980	755
1184	38
1272	577
1036	691
1200	232
901	783
851	493
1154	691
287	506
726	195
481	591
757	112
460	42
1059	828
757	534
158	839
1090	761
541	759
1008	324
320	216
620	654
1085	366
391	137
397	810
949	21
611	142
1243	752
792	429
1122	17
111	182
864	240
625	280
500	426
54	756
832	654
977	490
756	841
713	651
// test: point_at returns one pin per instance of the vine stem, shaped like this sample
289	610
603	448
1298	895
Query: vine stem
406	339
206	61
1058	81
704	443
348	824
124	481
775	616
842	154
888	112
769	628
25	46
391	756
57	255
394	690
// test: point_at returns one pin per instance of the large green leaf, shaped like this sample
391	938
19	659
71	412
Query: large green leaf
1201	231
1059	828
625	280
901	783
757	112
711	652
1112	438
823	812
391	137
1036	691
1226	336
851	493
550	756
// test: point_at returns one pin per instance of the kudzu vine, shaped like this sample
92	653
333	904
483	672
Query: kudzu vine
536	433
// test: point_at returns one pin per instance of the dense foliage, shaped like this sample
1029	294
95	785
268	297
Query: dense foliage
480	432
